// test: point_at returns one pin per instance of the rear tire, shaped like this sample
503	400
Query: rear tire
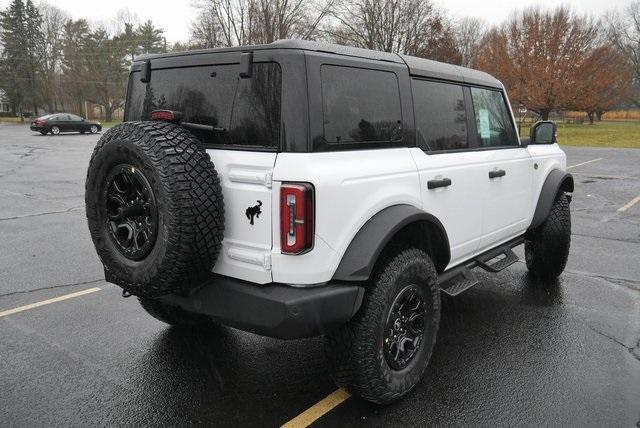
361	353
173	315
55	130
547	248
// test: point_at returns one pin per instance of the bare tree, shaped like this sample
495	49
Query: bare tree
538	54
50	52
244	22
624	31
469	35
413	27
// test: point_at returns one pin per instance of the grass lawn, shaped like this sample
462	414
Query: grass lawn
107	125
13	120
600	134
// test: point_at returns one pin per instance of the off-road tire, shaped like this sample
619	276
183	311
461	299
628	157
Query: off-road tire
547	247
355	351
190	210
173	315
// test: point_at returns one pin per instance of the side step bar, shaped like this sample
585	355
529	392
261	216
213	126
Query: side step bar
460	278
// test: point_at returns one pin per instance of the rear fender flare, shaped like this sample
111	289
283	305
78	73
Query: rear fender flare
360	257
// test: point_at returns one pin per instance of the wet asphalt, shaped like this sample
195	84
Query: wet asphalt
511	351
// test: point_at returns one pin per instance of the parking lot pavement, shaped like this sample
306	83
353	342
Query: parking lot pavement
511	351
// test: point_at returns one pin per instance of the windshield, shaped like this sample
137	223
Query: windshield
235	111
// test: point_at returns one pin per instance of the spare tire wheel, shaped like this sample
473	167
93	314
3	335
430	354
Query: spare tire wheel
154	207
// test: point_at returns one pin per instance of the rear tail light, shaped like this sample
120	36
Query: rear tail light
296	217
166	115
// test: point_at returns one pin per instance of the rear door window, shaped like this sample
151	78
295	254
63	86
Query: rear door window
360	105
234	111
441	119
493	120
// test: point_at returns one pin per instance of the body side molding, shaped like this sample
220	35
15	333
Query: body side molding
365	248
556	181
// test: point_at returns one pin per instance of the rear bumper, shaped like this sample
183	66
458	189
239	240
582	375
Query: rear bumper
274	310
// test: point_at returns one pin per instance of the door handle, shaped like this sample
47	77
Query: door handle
497	173
434	184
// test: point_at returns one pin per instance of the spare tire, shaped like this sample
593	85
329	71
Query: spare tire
154	207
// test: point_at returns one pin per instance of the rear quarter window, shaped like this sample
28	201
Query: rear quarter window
239	112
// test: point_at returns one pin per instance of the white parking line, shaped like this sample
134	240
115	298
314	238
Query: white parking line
584	163
48	302
631	203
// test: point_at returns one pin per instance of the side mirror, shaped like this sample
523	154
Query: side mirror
544	132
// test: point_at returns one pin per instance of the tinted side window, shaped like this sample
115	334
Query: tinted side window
75	118
240	111
441	120
493	120
360	105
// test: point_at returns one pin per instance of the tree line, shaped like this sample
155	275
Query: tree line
51	62
549	60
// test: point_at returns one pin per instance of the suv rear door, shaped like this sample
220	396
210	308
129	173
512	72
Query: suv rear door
238	121
452	173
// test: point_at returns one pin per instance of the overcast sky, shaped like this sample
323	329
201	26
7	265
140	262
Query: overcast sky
174	16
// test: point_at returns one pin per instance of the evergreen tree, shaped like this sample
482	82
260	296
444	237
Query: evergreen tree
129	39
21	36
150	39
13	61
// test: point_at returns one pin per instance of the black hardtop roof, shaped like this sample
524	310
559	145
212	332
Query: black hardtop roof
417	66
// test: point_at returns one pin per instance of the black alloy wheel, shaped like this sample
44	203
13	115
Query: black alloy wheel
132	214
404	328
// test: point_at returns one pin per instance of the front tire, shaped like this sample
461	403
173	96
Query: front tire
381	354
547	248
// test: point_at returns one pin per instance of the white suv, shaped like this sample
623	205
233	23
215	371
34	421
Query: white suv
350	188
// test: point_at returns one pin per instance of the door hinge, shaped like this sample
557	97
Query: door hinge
267	261
268	179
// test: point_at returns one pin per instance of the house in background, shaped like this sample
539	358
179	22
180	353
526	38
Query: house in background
5	106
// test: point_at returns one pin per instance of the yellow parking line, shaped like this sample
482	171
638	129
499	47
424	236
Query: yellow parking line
318	410
48	302
631	203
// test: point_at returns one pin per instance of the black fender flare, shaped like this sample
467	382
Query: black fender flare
365	248
556	181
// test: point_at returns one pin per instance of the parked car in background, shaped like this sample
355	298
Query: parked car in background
64	122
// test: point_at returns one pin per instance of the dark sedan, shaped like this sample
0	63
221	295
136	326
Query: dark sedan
64	122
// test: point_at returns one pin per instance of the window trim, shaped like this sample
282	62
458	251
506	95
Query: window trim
361	145
474	146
